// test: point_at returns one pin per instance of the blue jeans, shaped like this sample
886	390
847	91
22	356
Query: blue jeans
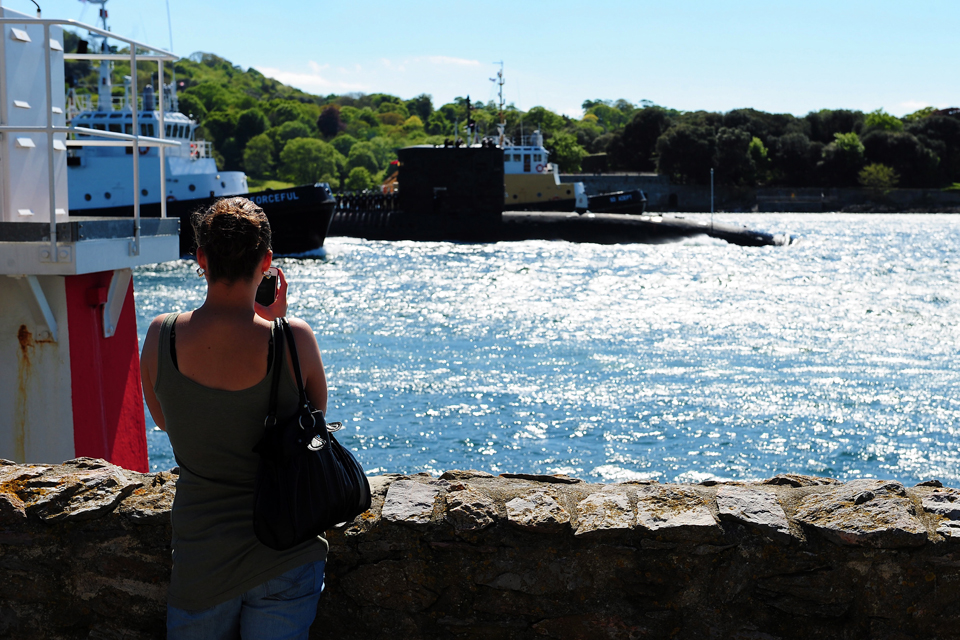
278	609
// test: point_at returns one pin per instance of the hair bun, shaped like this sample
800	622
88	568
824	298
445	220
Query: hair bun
235	236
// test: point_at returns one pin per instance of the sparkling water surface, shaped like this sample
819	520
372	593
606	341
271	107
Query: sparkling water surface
697	360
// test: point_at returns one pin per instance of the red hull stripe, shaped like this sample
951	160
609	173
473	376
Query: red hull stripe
108	420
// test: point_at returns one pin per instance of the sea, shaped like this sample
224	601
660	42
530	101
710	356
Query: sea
698	360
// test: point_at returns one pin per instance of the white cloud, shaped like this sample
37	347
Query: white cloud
914	105
310	82
447	60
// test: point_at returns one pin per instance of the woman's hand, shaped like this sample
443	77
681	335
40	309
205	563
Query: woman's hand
279	307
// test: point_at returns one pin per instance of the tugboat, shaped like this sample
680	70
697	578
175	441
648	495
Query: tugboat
532	183
99	176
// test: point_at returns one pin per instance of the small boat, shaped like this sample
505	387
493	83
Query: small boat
101	182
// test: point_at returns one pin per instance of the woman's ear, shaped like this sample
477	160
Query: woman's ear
267	261
201	258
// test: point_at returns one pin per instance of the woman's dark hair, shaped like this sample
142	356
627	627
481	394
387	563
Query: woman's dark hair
235	235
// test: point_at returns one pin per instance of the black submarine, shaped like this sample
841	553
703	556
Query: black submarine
456	193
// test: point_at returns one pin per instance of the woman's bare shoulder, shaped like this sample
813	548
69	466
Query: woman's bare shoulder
154	329
301	330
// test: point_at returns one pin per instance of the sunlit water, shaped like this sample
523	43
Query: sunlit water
835	356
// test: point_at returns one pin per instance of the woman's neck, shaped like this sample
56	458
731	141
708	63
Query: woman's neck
229	299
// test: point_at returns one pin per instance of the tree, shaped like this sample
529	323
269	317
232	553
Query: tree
761	158
259	156
878	177
437	124
942	136
289	131
412	124
362	155
211	95
919	114
823	124
391	118
880	120
903	152
842	160
734	164
544	119
565	152
220	125
343	143
794	159
285	111
191	105
633	147
421	106
306	160
359	179
250	123
329	122
686	153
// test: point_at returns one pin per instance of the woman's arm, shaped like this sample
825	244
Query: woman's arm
149	359
311	364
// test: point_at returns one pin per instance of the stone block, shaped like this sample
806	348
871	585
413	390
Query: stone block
470	510
799	480
410	502
604	512
943	503
755	508
674	513
77	492
869	513
538	511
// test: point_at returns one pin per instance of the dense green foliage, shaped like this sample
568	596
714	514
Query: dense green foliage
273	131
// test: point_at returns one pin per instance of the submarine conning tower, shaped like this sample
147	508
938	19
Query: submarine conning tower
69	380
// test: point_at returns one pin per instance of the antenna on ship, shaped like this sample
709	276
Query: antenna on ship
499	81
471	125
105	85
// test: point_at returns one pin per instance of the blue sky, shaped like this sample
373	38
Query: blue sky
687	54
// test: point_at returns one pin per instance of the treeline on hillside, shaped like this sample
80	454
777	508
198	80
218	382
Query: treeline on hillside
273	131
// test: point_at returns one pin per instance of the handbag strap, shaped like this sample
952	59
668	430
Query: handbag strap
276	334
288	332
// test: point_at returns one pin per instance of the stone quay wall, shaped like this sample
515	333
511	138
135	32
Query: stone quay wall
84	553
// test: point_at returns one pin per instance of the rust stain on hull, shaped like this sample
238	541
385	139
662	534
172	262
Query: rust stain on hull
24	369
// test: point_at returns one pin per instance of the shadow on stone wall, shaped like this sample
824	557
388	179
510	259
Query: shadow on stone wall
84	551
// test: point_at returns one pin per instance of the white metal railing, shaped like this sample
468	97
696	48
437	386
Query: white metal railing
118	139
200	149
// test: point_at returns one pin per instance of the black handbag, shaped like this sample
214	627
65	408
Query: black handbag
306	480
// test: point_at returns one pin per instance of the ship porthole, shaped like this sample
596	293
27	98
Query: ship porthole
143	192
87	197
514	197
539	195
107	195
193	187
223	184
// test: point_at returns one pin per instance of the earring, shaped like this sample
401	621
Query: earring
200	272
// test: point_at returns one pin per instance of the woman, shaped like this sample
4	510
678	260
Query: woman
206	380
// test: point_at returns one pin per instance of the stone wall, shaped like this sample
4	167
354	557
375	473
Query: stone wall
84	553
662	195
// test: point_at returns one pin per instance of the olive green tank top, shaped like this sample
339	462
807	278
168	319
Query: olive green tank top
216	555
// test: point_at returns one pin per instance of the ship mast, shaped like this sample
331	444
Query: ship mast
105	84
503	122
